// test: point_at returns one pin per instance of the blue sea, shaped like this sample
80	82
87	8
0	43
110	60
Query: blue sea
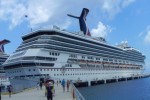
138	89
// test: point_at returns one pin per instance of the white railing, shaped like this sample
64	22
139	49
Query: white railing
76	94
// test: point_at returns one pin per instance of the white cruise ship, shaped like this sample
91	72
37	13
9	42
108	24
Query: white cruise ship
4	81
60	54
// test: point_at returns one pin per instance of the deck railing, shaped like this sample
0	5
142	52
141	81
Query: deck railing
76	94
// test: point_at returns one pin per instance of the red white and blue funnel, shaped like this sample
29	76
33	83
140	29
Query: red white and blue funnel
2	43
82	21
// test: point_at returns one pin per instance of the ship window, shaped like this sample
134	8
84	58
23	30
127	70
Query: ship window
50	53
50	59
83	57
29	69
53	53
105	59
40	58
73	56
90	57
28	58
110	59
33	69
97	58
47	64
66	65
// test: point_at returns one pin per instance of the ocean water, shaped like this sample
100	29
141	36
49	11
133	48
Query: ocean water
138	89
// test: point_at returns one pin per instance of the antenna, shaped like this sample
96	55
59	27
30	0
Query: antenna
26	16
73	16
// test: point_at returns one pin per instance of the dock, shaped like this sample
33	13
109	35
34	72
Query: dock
72	94
34	94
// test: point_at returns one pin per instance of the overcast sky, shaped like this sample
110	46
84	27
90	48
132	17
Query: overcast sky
115	20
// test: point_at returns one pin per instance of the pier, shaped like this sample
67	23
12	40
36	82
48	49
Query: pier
106	81
73	94
34	94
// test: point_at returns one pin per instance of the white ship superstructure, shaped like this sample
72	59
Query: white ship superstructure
60	54
4	81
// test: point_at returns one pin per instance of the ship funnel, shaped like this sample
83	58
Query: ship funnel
82	21
2	43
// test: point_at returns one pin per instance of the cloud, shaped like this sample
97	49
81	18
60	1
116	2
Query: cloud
11	10
49	12
112	7
101	30
127	2
40	12
140	34
147	37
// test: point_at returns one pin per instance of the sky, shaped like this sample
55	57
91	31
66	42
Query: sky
115	20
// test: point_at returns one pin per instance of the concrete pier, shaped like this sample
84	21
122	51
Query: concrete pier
113	80
89	83
116	79
104	81
34	94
